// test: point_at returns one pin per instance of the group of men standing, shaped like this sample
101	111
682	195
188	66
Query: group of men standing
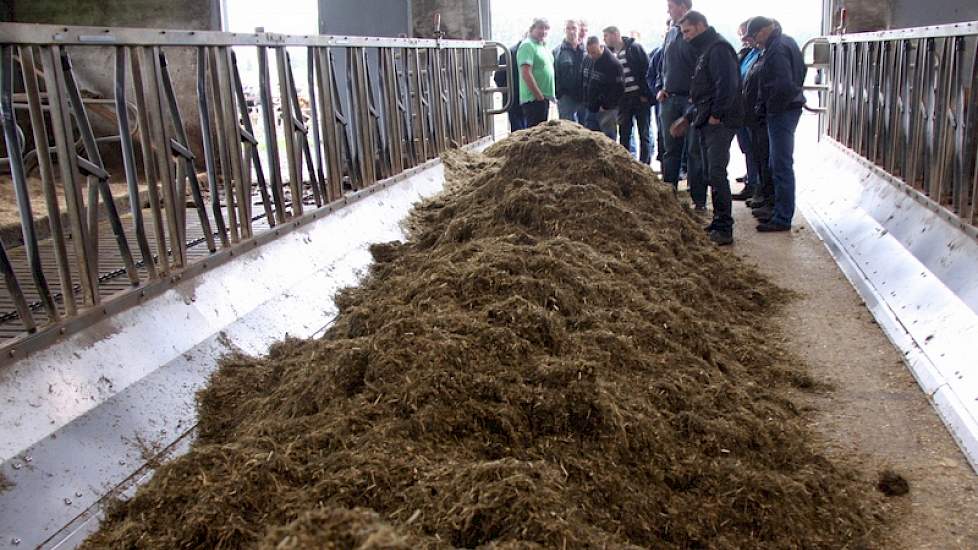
704	94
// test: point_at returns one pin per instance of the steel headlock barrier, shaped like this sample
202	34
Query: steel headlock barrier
368	110
905	100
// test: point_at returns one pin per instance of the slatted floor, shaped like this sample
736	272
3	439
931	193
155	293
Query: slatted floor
112	275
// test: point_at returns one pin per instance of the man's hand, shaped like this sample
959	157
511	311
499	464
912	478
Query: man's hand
714	121
662	95
678	128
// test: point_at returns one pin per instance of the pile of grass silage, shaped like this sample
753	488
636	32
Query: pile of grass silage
556	357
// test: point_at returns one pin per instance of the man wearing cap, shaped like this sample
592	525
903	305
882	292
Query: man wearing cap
605	86
716	111
568	59
536	64
781	78
678	63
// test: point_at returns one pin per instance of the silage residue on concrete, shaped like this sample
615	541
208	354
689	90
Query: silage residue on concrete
557	357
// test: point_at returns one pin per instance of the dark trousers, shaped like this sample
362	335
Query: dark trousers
696	174
536	112
516	119
743	141
781	132
714	144
634	111
760	151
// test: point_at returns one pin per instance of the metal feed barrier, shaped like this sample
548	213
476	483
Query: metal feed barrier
369	110
905	101
892	189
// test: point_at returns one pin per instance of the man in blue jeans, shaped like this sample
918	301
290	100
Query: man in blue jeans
678	62
716	110
781	78
568	60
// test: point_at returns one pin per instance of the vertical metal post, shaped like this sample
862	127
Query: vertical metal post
129	162
210	163
233	142
302	130
180	146
248	138
20	180
330	135
148	62
46	169
97	172
288	127
68	163
314	120
223	149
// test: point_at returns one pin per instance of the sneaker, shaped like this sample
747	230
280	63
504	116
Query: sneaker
721	238
699	208
763	212
768	227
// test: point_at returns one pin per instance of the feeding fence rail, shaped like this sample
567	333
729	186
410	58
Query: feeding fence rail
904	100
210	164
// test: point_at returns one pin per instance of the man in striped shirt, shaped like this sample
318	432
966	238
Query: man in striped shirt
634	107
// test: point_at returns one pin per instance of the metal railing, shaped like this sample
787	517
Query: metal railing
905	100
369	109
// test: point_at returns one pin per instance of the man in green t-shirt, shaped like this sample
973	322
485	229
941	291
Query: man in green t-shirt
536	64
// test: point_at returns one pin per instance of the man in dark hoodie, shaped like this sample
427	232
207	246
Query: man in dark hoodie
605	86
781	78
634	107
716	112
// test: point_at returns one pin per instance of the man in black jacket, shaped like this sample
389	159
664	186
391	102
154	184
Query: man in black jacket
634	107
781	78
605	86
716	111
516	119
568	58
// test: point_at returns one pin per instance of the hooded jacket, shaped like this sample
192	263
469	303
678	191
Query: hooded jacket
638	64
715	87
604	82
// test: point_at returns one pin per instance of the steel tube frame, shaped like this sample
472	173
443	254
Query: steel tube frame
906	101
408	100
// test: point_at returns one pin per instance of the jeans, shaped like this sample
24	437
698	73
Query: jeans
714	146
743	140
536	112
781	133
671	110
760	150
659	146
696	166
605	122
634	109
572	110
516	119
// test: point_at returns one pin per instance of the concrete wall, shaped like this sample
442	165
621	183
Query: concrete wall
461	19
94	65
915	13
365	17
174	14
872	15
